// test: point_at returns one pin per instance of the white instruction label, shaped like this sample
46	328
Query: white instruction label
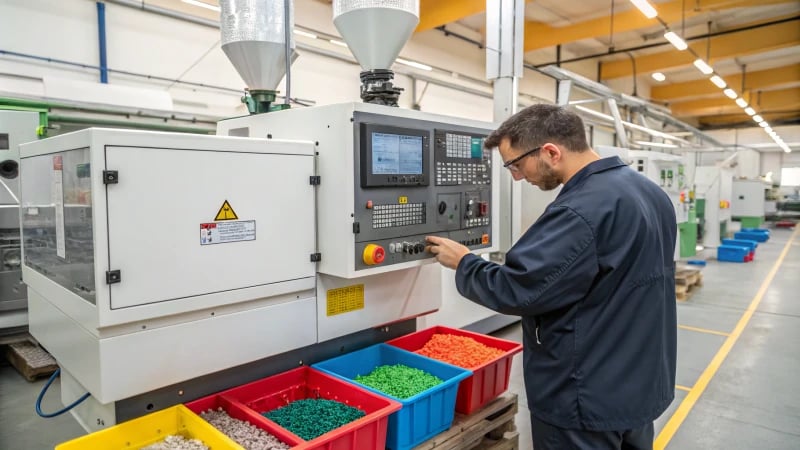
57	191
227	231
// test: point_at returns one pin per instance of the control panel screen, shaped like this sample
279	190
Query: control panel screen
396	154
393	156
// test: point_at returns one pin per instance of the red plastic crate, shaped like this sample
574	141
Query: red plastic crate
304	382
487	381
239	411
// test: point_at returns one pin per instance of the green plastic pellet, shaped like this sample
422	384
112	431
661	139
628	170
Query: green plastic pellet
399	381
311	418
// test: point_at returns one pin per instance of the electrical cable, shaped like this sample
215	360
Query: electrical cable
64	409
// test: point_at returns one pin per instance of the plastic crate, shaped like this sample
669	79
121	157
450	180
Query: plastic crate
424	415
751	236
154	427
751	245
756	230
488	380
732	253
241	412
304	382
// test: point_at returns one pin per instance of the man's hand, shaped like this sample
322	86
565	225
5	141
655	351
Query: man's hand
448	252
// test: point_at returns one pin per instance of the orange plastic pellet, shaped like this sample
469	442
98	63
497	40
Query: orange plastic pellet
460	351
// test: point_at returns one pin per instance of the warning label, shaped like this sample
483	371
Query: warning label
226	212
345	299
226	232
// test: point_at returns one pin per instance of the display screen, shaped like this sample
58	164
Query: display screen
394	154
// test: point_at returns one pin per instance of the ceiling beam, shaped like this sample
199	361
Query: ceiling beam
762	102
732	45
540	35
435	13
759	80
743	120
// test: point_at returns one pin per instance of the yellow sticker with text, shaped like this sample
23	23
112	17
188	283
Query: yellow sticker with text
402	200
345	299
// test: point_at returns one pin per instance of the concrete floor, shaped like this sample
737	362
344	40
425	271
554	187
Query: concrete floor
751	401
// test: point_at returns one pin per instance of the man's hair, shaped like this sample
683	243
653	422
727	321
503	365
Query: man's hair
538	124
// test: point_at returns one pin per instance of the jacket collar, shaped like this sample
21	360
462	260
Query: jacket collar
601	165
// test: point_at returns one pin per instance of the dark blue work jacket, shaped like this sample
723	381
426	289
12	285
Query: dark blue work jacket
594	282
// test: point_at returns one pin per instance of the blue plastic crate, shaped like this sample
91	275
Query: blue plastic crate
732	253
423	415
755	230
741	243
752	236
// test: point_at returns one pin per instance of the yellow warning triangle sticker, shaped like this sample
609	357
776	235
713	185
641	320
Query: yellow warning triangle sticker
226	212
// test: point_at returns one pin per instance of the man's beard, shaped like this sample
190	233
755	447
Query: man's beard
548	180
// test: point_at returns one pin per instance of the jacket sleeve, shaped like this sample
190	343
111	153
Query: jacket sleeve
551	266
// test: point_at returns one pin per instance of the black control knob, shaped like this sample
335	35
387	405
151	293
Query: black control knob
407	247
420	247
442	207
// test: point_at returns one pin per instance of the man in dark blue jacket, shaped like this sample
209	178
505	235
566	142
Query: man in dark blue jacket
592	279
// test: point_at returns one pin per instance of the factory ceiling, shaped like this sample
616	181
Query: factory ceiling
753	45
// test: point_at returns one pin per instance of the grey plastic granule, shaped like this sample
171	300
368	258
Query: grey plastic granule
244	433
177	442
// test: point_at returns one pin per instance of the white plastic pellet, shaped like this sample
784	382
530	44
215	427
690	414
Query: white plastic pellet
244	433
177	442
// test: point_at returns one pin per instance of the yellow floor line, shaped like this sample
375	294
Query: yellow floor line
682	388
694	394
703	330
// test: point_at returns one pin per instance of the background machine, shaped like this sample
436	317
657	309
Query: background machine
163	267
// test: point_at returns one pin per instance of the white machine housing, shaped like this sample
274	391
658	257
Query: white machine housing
749	198
715	185
126	290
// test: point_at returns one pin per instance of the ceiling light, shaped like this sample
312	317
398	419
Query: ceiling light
658	76
741	103
730	93
718	81
202	5
763	124
646	8
305	33
703	67
339	43
676	40
750	111
656	144
758	118
414	64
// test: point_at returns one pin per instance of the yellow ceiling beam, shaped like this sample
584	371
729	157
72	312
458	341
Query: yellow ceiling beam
780	100
727	46
737	119
435	13
758	80
540	35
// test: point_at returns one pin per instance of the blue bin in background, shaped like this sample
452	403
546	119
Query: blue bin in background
732	253
422	416
757	236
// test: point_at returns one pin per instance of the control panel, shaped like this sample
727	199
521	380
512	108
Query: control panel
415	179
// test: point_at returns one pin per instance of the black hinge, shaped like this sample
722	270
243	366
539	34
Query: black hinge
316	257
314	180
113	276
356	228
110	177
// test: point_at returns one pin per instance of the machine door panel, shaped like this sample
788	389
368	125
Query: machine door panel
183	223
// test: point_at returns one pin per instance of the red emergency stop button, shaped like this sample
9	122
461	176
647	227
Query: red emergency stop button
373	254
485	239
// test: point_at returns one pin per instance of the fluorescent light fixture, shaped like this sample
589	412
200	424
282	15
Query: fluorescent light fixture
202	5
718	81
730	93
703	67
305	33
655	144
335	42
646	8
758	118
414	64
658	76
763	124
742	104
768	130
750	111
676	40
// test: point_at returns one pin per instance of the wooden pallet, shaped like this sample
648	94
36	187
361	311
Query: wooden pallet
490	428
687	280
30	360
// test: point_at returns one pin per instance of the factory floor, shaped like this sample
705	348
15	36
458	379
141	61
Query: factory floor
738	365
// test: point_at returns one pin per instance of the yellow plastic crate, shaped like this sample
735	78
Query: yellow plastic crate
154	427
